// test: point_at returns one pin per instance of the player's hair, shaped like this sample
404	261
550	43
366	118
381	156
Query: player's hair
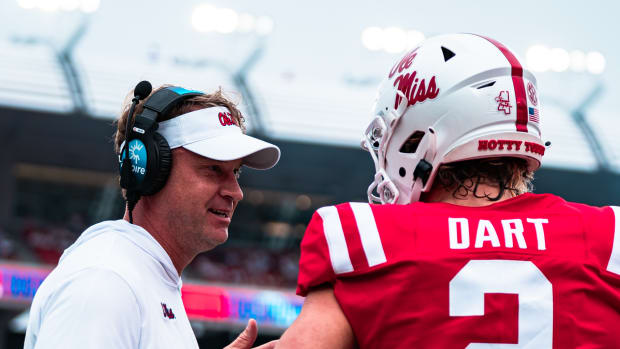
505	173
215	99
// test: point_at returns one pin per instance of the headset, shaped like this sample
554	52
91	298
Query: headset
145	158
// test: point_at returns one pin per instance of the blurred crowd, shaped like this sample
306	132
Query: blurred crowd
43	242
245	265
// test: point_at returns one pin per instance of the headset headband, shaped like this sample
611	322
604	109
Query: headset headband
160	103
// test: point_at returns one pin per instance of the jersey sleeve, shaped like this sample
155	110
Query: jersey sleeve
606	228
314	263
602	234
97	309
614	261
340	240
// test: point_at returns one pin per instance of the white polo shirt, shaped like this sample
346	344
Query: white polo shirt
115	287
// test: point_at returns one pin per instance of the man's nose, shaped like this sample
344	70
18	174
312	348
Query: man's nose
232	189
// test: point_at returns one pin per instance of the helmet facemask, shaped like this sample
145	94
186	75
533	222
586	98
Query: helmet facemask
376	140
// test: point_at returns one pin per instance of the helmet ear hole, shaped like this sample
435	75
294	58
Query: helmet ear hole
412	142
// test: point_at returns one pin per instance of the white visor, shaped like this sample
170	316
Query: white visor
211	133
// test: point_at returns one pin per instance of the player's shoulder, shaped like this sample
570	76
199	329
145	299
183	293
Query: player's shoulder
341	240
356	234
602	234
558	204
353	219
362	211
599	226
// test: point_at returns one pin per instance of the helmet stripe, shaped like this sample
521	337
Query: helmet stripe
336	242
517	81
369	233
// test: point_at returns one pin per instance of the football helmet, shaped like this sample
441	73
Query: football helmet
455	97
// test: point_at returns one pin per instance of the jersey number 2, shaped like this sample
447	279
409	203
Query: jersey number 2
523	278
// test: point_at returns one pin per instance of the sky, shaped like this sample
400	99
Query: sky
322	38
318	44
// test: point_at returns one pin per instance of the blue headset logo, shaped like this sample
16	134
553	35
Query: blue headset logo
137	155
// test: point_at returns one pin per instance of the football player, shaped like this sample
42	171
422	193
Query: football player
458	253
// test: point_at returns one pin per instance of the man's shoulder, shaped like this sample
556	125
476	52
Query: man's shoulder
101	245
106	247
92	281
88	300
99	265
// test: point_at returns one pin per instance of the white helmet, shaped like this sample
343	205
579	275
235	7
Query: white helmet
463	96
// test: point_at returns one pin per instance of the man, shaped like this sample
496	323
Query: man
468	258
119	285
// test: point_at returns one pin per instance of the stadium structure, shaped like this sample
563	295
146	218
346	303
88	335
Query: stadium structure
58	173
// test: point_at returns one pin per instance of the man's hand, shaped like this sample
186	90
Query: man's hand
247	338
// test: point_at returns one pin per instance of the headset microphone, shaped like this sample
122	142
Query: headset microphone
141	91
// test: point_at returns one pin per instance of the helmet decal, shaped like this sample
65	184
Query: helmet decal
531	93
519	86
503	102
413	87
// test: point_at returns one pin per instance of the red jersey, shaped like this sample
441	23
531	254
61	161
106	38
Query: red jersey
533	271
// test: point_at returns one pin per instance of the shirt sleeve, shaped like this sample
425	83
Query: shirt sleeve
96	309
314	263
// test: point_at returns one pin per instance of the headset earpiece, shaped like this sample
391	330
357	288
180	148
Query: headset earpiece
161	158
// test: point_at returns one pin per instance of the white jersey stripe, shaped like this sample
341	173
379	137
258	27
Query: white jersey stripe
614	261
336	244
371	242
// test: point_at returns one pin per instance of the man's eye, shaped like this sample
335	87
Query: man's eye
215	168
237	173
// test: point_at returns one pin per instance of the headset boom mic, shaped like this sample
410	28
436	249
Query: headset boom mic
143	89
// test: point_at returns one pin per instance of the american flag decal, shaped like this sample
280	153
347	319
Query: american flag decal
533	114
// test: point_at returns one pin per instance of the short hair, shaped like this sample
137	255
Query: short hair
215	99
505	173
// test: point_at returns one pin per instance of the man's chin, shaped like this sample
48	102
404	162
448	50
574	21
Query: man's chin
218	236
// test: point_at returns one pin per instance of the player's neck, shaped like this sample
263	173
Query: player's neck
439	194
